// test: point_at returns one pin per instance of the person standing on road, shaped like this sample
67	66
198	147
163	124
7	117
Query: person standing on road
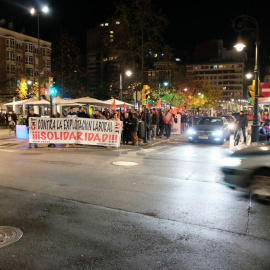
154	122
242	123
31	114
134	126
126	128
168	118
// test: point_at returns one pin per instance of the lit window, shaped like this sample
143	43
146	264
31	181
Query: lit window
111	36
111	32
111	40
220	66
177	59
117	22
106	24
215	66
102	24
155	55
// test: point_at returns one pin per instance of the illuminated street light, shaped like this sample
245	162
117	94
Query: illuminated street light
249	75
34	12
248	23
166	84
128	73
185	89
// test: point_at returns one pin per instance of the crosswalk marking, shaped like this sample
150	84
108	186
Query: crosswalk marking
7	150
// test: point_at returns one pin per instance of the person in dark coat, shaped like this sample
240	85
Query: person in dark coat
82	113
242	123
134	126
126	128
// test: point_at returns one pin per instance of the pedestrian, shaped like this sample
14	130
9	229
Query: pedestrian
196	118
134	126
154	123
242	123
168	118
126	128
31	114
71	114
108	115
82	113
183	122
160	123
14	117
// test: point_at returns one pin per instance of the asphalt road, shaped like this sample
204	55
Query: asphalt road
170	211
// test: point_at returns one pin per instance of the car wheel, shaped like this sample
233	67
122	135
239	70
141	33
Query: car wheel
260	185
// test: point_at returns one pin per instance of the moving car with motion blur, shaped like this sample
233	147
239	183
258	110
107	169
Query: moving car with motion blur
249	168
210	129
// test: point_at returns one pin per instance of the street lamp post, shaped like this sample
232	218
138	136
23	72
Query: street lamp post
29	82
239	24
38	13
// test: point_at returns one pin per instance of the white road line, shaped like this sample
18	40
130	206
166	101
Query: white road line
6	150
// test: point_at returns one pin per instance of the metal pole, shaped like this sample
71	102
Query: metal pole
51	105
121	85
255	125
39	97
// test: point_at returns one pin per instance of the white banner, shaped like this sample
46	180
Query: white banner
75	131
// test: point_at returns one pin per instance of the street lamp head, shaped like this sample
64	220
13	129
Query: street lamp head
185	89
249	75
45	9
32	11
239	46
128	73
199	93
165	83
29	82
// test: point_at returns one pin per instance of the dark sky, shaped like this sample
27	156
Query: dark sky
190	22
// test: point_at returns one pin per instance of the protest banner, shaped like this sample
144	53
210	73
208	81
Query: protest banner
75	131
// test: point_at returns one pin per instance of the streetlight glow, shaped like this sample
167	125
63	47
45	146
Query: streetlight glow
45	9
165	83
128	73
185	89
239	47
32	11
249	75
29	82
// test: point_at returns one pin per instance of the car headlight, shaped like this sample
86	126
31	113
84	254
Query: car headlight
217	133
230	162
231	126
191	132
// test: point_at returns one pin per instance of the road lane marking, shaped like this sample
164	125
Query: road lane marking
6	150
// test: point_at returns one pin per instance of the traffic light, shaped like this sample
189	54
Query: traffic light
145	94
53	91
251	92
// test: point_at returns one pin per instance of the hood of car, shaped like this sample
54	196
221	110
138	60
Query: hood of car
207	128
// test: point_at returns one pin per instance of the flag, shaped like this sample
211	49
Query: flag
158	106
174	111
113	107
125	107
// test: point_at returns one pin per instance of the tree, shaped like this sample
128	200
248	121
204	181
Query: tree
66	66
22	89
138	32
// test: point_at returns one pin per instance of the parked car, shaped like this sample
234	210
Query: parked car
249	168
212	129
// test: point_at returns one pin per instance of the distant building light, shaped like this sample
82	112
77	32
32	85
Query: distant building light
155	55
162	54
177	59
111	32
111	40
102	24
117	22
106	24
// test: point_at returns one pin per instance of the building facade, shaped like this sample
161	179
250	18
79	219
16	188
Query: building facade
19	58
228	76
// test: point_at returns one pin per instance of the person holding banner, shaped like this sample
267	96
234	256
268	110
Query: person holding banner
71	114
31	114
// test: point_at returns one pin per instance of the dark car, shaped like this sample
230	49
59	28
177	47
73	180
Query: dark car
212	129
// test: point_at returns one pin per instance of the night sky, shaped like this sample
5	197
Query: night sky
190	22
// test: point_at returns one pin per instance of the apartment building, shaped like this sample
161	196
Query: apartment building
102	67
228	76
19	58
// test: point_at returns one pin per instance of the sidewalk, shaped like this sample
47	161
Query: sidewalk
6	140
